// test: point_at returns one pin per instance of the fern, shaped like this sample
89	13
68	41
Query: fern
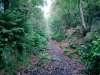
2	21
91	57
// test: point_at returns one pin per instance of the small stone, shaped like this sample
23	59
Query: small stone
75	72
48	48
26	71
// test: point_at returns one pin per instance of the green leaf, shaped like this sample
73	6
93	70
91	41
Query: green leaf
95	42
1	49
5	31
2	21
96	54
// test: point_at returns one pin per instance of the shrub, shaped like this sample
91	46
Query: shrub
65	50
12	43
42	58
57	36
17	39
90	55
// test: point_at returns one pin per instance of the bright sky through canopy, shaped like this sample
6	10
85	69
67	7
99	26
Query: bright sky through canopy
46	8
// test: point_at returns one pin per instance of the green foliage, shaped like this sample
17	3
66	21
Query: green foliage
65	50
12	31
40	42
71	55
64	15
36	42
42	58
16	40
57	37
90	54
21	31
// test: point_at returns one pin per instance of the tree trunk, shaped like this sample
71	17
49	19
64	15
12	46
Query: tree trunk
6	4
81	14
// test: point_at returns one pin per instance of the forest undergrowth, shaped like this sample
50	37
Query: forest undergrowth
24	33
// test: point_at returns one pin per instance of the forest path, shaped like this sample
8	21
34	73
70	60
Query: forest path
59	63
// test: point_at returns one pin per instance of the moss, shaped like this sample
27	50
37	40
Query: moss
89	36
95	28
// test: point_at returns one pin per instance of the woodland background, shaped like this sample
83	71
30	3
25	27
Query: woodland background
23	30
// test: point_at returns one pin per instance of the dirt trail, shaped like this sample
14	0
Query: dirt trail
58	65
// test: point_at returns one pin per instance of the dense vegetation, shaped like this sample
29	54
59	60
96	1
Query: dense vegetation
83	16
21	31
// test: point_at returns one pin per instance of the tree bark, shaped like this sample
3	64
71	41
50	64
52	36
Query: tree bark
6	4
81	14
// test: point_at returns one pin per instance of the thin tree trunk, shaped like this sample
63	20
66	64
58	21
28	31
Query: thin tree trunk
81	14
89	12
6	4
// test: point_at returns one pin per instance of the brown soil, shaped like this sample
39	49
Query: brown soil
58	65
